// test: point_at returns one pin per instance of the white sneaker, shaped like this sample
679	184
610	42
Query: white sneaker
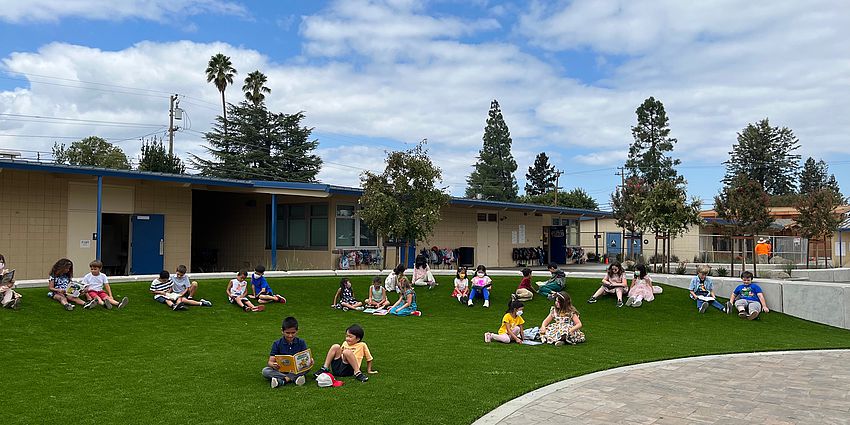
90	303
276	382
469	303
300	380
637	303
630	301
487	303
123	302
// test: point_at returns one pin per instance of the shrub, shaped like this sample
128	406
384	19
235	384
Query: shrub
788	268
722	272
681	269
674	258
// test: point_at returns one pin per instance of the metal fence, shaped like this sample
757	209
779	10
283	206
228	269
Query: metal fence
718	249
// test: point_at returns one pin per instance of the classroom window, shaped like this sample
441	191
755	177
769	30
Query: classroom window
351	231
299	226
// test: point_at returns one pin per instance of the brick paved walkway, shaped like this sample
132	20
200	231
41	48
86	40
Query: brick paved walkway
802	387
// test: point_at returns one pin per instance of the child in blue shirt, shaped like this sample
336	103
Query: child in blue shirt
701	287
262	291
289	345
748	298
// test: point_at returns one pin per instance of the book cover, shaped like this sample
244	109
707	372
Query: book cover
298	363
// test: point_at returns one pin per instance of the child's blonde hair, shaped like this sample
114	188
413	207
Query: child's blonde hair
403	283
704	269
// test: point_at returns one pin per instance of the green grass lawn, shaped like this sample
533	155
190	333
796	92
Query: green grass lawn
147	364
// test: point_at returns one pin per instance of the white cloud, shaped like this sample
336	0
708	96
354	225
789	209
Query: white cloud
16	11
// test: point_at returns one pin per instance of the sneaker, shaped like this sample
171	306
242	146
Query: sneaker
703	307
591	300
742	314
300	380
260	308
205	303
190	298
90	303
123	302
69	306
559	343
729	307
281	299
469	303
637	303
459	298
416	313
487	303
619	304
753	315
177	306
107	305
16	304
278	382
488	336
360	376
630	302
361	308
345	309
464	299
551	296
320	371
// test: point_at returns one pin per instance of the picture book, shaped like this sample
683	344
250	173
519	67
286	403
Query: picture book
8	276
705	298
299	363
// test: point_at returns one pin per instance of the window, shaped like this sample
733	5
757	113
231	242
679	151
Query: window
351	231
486	216
299	226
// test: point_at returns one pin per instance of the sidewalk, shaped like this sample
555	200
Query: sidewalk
797	387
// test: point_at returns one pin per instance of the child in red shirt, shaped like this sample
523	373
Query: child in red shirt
524	292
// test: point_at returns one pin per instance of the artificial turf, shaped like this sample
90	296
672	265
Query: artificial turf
147	364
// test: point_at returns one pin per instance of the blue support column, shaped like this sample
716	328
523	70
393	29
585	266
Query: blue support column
99	215
274	232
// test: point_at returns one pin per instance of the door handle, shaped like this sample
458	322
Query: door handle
161	246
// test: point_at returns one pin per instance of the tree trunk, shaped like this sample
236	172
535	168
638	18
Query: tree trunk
655	258
384	266
224	112
732	256
807	253
663	253
755	259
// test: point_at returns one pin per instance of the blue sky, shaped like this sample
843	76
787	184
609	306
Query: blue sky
379	75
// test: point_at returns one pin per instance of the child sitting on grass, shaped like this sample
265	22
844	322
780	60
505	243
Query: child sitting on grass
58	282
562	325
237	292
747	298
406	304
261	289
641	289
345	359
98	289
10	298
461	291
613	283
288	345
701	287
391	282
481	283
422	275
345	296
511	329
185	288
556	283
524	292
377	295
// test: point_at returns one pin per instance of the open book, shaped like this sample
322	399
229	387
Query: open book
8	276
299	363
705	298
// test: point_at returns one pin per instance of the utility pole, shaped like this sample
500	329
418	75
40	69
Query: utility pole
172	100
622	174
557	188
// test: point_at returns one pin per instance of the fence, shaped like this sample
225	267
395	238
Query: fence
718	249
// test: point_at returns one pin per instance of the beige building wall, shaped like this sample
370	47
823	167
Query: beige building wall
33	221
686	247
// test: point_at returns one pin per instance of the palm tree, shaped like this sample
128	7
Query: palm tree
255	87
221	71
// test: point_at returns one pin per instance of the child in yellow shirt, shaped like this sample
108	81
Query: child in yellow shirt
511	329
345	359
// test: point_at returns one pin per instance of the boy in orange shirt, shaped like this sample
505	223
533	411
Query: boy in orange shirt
345	359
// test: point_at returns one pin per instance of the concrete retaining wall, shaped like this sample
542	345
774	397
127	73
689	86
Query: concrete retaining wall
823	275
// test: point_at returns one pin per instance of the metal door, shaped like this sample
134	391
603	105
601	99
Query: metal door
147	244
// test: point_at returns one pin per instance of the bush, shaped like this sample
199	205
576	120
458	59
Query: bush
681	269
722	272
698	259
788	268
674	258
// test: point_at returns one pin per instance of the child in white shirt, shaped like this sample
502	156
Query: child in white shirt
237	292
98	290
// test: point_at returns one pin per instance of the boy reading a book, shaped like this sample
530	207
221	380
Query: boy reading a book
288	345
702	290
10	298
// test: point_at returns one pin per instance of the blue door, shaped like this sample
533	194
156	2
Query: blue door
613	243
147	244
558	244
635	245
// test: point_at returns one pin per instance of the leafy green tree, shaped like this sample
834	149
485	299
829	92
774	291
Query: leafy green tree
667	211
260	145
576	198
540	178
155	157
765	154
255	87
220	71
648	153
627	204
743	203
818	218
493	177
92	151
404	202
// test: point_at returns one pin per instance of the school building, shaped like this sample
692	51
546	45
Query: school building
141	222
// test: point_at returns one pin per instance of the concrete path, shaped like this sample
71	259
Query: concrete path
795	387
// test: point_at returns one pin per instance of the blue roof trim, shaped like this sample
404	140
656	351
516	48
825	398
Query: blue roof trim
126	174
267	184
342	190
539	208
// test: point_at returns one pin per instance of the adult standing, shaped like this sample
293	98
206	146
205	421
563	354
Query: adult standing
763	249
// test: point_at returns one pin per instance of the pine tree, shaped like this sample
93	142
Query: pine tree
814	178
154	157
260	144
540	177
493	177
765	154
647	154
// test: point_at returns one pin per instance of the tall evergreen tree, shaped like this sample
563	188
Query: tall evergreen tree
493	177
648	153
155	157
92	151
540	177
765	154
814	177
260	145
